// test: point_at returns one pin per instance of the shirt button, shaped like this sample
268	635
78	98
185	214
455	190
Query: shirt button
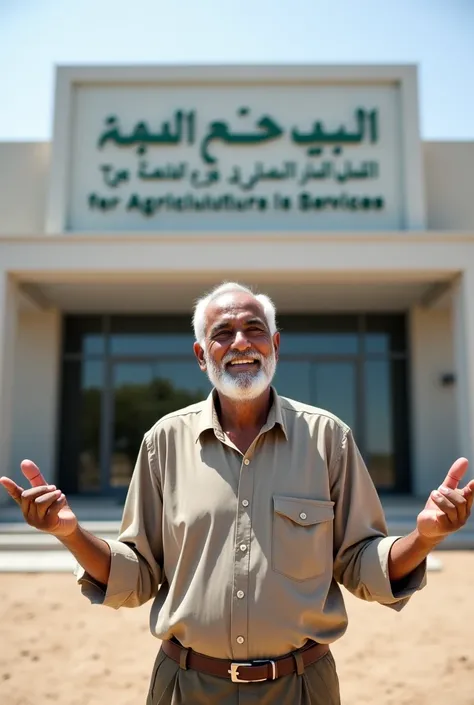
245	503
240	640
243	547
240	594
303	515
246	461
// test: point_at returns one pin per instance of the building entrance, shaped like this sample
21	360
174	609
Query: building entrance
122	373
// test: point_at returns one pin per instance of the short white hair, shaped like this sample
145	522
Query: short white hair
199	316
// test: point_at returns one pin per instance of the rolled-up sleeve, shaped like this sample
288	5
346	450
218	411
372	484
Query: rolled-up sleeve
137	554
361	544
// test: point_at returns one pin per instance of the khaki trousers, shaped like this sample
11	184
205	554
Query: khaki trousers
172	685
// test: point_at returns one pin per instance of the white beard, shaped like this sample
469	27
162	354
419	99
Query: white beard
246	385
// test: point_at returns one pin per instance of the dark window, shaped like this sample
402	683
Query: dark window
80	451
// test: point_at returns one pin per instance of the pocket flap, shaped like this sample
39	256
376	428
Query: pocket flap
304	511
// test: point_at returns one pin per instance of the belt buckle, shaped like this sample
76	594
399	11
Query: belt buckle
234	671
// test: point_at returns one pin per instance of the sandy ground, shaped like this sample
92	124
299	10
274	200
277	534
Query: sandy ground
56	648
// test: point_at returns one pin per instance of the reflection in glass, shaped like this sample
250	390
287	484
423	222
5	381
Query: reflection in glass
379	423
92	375
185	376
143	393
334	385
292	379
377	343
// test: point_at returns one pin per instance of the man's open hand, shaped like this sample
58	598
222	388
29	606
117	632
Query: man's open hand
449	507
43	506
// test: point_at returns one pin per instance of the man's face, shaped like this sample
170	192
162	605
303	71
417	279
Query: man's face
240	354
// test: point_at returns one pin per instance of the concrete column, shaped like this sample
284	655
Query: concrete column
464	363
37	377
8	335
434	440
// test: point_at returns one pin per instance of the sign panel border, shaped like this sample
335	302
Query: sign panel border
68	78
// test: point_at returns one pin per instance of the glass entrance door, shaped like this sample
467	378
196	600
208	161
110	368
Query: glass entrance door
123	373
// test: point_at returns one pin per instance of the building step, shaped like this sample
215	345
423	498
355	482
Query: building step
38	541
25	550
63	562
35	561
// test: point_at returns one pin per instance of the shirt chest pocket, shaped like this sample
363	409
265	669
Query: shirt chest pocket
302	537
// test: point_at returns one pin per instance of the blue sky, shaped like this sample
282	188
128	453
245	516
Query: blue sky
36	35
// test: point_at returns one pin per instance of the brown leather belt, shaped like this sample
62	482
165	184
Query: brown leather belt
248	672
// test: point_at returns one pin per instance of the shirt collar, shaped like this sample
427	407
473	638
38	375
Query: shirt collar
209	420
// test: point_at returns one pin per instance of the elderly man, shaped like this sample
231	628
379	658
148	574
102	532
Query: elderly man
244	513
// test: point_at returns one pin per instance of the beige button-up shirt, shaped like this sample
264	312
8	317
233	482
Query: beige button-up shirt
242	554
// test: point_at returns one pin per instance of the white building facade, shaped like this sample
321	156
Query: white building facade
308	183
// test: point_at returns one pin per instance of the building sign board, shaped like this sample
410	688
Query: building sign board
243	155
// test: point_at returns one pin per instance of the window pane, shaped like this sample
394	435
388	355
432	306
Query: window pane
323	335
319	343
143	393
334	388
379	444
152	344
151	335
89	456
318	323
81	423
292	379
377	343
188	384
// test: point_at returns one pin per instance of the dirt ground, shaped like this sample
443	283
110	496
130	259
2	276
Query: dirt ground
56	648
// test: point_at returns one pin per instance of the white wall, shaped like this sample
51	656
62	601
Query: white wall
24	174
9	307
36	386
434	435
449	179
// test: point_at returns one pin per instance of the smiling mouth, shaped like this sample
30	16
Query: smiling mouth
243	364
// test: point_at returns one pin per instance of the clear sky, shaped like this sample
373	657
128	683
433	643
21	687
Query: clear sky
36	35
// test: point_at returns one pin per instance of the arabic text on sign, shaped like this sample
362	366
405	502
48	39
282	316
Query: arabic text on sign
182	129
289	170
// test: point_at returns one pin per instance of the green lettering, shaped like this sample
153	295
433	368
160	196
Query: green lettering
102	203
133	202
304	201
